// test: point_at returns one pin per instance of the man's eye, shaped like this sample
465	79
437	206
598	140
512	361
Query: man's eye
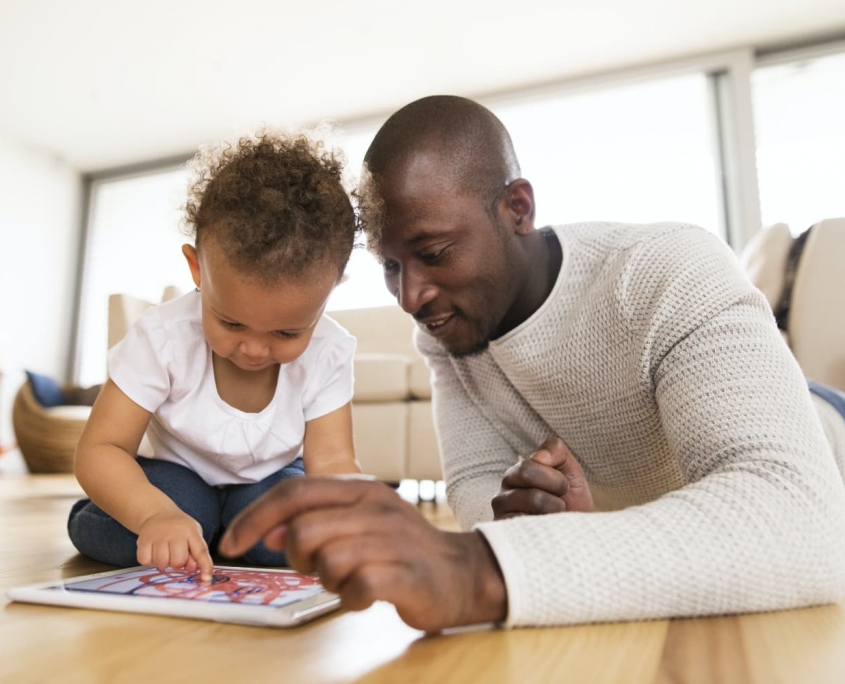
433	257
390	267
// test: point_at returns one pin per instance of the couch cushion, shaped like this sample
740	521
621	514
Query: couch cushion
380	329
420	379
46	390
816	314
423	451
381	435
764	260
381	377
387	329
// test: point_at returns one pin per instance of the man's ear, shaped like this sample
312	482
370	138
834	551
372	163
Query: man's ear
519	196
192	258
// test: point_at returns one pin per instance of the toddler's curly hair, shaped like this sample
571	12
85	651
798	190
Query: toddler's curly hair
275	203
370	211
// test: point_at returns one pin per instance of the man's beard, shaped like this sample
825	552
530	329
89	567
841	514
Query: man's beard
477	349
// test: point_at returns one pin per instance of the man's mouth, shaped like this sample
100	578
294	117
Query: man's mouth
439	325
438	322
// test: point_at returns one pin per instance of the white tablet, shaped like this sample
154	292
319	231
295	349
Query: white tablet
251	596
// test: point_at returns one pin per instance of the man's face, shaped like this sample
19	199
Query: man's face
448	262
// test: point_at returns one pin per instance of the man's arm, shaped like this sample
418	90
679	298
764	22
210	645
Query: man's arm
549	481
760	527
475	454
760	524
368	545
486	477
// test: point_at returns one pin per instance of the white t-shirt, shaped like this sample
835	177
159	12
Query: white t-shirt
164	365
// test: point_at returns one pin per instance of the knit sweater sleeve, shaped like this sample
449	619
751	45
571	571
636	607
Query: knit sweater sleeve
760	524
474	452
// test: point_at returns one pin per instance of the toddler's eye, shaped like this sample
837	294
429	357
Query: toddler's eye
287	335
230	325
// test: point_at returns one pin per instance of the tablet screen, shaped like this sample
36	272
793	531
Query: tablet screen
228	585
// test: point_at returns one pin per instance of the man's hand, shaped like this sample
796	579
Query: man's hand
174	540
367	544
550	481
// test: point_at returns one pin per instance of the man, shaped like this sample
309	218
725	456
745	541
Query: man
636	367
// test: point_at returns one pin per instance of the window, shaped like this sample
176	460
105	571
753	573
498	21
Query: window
134	247
799	113
638	153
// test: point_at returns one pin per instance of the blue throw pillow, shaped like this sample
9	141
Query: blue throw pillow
47	391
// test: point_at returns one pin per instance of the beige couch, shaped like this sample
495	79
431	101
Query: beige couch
391	408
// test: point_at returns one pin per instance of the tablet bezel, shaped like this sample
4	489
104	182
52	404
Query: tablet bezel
289	615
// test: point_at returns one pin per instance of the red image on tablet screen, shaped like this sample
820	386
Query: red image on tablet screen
228	585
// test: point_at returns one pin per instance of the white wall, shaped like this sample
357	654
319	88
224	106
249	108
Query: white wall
39	243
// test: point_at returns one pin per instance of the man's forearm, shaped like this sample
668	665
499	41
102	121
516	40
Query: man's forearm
489	596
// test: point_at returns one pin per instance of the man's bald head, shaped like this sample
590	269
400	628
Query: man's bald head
469	143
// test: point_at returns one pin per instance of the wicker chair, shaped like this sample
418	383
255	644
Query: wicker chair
46	437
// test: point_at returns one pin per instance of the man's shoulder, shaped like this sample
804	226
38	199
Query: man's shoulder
638	244
623	236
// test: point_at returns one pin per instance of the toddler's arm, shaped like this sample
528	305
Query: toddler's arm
328	448
106	468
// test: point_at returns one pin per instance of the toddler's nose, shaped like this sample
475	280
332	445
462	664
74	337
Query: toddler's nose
253	348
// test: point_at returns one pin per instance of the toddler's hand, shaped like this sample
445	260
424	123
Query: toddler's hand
174	540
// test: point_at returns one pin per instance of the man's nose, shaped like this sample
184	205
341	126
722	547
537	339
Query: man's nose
414	291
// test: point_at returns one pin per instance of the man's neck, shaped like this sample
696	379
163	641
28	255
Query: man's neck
553	260
545	259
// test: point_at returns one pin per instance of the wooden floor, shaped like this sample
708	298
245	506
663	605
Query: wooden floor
45	644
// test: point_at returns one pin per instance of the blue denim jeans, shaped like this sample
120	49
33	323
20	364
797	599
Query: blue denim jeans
832	396
99	536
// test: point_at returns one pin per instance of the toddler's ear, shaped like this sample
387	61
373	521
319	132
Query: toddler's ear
191	257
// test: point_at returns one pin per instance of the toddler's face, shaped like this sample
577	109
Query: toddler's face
250	324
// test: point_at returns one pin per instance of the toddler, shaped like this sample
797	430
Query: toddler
237	385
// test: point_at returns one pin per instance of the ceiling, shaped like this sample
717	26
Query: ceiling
100	83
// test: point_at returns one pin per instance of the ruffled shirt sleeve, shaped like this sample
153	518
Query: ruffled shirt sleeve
138	364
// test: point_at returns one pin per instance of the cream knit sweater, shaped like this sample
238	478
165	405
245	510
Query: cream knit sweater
661	368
